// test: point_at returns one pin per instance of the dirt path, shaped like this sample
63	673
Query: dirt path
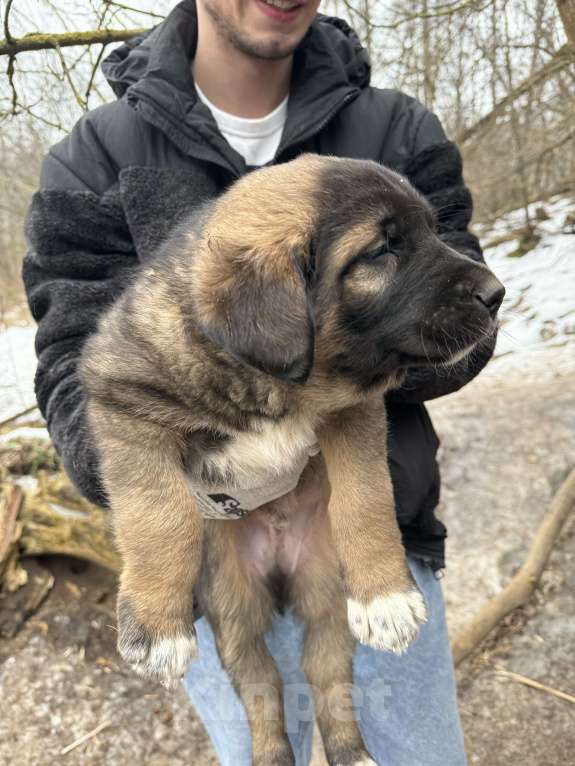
507	446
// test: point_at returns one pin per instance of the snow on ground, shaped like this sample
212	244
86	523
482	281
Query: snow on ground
537	335
17	366
24	432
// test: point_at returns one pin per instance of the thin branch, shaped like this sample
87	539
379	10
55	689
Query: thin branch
7	34
85	738
14	92
20	414
439	11
68	76
41	41
93	75
40	118
526	681
123	7
11	60
562	58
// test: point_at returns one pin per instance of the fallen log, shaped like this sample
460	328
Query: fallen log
12	576
53	519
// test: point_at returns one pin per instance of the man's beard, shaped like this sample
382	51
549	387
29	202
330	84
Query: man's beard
273	50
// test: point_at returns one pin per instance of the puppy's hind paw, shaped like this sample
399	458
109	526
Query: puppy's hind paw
388	622
163	658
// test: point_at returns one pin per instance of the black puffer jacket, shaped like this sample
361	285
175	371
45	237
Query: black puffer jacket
129	170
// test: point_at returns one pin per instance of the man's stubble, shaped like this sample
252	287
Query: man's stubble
272	50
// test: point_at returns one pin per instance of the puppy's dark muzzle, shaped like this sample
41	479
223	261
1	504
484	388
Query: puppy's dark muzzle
480	291
464	310
490	295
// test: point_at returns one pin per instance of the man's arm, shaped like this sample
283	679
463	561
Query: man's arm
79	259
435	169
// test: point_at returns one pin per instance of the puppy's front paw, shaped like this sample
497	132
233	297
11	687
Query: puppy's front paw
163	657
388	622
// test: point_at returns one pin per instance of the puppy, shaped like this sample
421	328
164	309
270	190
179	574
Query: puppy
236	392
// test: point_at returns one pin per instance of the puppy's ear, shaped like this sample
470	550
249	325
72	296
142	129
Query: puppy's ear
259	310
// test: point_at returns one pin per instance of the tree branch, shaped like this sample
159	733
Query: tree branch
439	11
562	58
40	41
68	77
95	68
131	9
523	584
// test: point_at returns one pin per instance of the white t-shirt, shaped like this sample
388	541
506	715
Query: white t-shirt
257	139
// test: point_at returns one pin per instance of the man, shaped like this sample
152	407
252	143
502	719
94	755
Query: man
206	96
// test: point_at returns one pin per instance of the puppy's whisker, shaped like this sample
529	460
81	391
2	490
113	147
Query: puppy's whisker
425	348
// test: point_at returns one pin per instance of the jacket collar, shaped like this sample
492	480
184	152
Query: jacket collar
153	73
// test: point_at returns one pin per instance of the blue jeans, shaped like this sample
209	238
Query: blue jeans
406	706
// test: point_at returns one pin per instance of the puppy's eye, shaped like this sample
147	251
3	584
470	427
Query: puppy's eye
393	239
392	245
381	252
389	227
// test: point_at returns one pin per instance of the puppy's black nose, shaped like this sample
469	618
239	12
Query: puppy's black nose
491	294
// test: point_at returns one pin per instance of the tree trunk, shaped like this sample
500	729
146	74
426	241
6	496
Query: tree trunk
567	12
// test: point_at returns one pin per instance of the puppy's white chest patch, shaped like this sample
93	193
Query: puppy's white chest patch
259	467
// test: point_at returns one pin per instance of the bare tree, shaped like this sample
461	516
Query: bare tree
21	150
499	73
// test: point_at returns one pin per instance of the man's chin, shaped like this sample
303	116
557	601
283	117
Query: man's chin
269	50
256	36
266	46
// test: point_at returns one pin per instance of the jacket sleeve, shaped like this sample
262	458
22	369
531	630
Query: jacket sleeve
80	257
435	169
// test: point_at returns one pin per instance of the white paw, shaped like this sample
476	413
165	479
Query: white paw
167	660
388	622
164	659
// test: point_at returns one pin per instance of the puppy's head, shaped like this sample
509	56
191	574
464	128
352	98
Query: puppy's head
339	257
250	288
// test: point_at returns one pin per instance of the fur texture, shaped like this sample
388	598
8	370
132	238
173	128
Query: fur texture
274	319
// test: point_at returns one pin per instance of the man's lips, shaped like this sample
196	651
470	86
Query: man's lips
281	10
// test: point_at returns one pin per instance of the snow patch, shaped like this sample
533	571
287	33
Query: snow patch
537	334
18	365
24	432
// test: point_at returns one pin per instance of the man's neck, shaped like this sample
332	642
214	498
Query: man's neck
235	82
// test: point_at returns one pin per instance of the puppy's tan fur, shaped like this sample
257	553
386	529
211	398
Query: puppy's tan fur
167	372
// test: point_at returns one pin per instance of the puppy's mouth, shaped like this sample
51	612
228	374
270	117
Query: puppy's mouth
448	348
435	359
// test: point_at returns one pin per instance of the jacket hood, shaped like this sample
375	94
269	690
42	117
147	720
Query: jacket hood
153	73
330	44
